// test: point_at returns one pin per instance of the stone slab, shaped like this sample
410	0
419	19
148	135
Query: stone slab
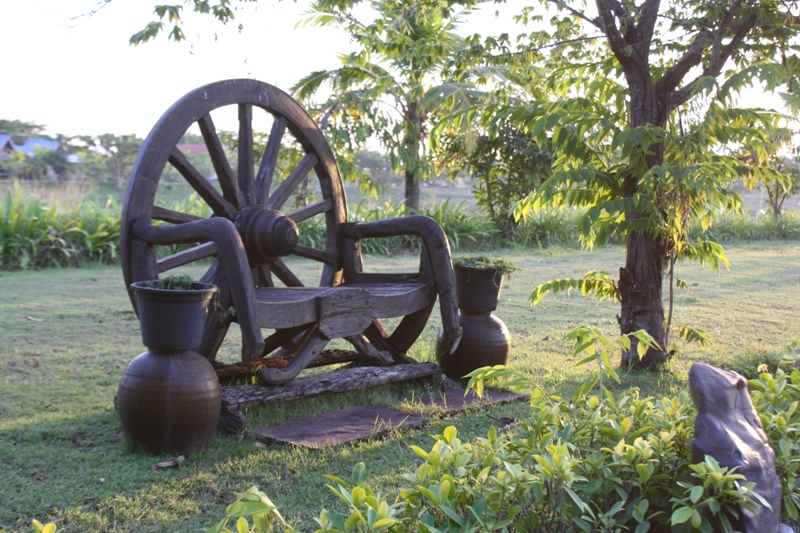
340	427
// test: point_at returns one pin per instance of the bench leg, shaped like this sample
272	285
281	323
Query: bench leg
307	353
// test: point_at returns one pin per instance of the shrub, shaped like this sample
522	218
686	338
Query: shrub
35	234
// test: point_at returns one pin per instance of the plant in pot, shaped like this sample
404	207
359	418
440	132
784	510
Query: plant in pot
169	397
486	340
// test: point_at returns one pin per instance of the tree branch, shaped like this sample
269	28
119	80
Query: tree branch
674	75
648	15
615	41
580	14
683	94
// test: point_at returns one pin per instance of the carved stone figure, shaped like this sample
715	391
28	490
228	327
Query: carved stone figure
729	429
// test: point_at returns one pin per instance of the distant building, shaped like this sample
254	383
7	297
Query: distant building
29	148
32	144
6	144
192	149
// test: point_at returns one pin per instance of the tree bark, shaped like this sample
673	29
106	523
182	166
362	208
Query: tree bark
641	279
411	142
412	193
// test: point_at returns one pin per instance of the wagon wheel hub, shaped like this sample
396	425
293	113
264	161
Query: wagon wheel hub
267	234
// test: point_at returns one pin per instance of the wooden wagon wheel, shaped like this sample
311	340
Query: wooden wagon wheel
251	199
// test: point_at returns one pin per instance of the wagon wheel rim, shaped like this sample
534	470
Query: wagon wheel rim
248	193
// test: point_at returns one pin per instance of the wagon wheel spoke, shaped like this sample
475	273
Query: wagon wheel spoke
219	205
313	254
246	161
285	189
220	161
173	217
283	273
262	276
187	256
306	212
268	163
216	326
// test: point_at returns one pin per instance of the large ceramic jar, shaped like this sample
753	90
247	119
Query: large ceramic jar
486	340
169	397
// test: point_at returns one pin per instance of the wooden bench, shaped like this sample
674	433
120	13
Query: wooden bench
246	240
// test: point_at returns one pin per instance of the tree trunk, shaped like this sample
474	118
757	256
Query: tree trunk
412	193
640	287
641	281
412	159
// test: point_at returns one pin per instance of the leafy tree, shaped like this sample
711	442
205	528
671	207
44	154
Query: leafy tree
119	152
380	90
506	165
782	179
20	130
638	103
384	90
778	192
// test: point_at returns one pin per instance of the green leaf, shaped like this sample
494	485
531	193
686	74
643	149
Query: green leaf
681	515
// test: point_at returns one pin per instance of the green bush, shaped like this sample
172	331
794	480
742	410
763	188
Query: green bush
742	227
589	463
34	234
465	230
593	463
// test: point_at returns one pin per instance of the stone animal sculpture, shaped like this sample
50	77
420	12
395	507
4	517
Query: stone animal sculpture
728	428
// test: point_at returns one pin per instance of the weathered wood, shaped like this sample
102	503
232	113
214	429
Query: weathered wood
344	311
173	217
437	248
187	256
364	299
246	158
242	373
283	273
303	213
269	160
232	257
220	161
219	205
310	349
342	380
292	181
313	254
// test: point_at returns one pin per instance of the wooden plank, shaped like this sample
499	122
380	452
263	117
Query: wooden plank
298	215
246	158
187	256
285	189
220	161
270	160
388	277
342	380
207	192
173	217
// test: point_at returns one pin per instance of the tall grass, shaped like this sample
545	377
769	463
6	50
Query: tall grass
37	231
742	227
465	230
68	225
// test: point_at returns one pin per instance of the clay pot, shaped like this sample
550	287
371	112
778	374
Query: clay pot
169	401
170	319
169	398
486	340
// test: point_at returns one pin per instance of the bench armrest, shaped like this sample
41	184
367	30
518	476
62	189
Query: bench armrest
438	249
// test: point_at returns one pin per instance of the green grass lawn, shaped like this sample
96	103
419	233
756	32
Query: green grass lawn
62	455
